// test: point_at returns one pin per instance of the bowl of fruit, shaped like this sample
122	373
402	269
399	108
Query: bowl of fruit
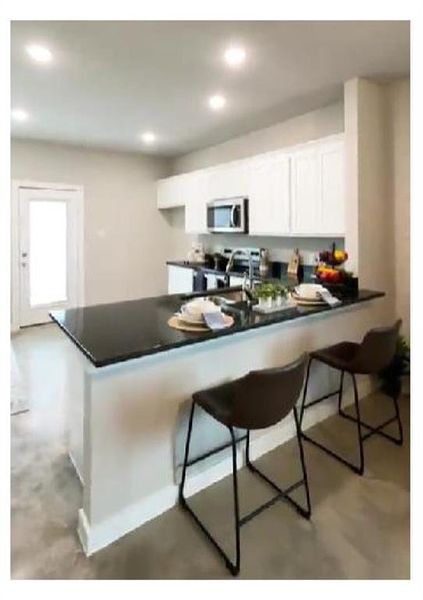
330	269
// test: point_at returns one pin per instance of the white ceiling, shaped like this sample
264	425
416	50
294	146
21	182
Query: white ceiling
112	80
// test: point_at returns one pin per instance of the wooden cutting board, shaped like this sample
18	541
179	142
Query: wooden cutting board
177	323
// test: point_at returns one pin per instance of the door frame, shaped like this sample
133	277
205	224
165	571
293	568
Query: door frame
16	186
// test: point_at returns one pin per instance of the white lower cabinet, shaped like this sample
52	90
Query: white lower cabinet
269	195
235	281
180	280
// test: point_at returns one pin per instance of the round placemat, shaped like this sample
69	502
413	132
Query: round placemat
177	323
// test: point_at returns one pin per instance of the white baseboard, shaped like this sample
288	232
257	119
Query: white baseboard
95	537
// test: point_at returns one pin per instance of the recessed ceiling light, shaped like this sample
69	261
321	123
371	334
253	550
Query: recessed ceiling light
40	54
235	56
217	102
148	137
18	114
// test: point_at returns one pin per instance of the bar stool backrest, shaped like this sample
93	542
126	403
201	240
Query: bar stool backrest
376	350
263	398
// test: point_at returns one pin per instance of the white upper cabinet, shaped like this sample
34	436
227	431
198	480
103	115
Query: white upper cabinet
332	175
227	181
195	200
317	189
170	192
269	194
305	196
297	191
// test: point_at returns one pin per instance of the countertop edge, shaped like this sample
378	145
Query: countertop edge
211	335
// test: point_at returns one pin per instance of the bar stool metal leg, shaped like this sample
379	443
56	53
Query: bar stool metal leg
341	389
303	405
184	467
357	469
399	441
282	494
359	434
307	513
233	567
378	429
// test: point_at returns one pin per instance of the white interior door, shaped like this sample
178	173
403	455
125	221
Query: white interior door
50	252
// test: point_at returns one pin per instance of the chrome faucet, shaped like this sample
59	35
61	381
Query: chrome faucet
247	284
245	253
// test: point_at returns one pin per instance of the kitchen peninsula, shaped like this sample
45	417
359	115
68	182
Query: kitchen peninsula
132	378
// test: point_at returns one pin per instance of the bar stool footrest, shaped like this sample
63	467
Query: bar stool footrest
317	400
214	451
282	494
352	466
374	429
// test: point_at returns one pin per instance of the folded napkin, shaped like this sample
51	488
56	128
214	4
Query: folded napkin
214	320
328	298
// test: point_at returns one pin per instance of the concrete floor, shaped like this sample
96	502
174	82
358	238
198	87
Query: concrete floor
359	527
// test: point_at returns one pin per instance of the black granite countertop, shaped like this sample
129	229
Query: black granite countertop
113	333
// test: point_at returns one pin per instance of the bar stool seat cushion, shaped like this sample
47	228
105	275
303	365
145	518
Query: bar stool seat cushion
340	356
218	401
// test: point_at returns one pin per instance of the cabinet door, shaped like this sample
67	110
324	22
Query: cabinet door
332	188
179	280
269	196
195	199
305	192
169	192
228	181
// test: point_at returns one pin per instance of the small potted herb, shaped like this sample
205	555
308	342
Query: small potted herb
281	294
270	294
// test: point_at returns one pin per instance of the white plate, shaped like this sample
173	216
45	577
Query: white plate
186	318
192	312
308	301
309	291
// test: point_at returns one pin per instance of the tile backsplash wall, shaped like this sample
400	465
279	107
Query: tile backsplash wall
280	248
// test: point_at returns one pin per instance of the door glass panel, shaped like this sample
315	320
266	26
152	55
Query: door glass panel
47	252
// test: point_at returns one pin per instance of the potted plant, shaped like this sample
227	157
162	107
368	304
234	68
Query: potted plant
400	365
281	294
269	294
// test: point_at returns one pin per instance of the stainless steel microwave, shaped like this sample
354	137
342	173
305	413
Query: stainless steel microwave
228	215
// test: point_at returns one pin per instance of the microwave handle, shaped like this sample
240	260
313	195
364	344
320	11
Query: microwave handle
233	209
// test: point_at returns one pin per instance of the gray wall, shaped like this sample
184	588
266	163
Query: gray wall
126	239
399	137
309	126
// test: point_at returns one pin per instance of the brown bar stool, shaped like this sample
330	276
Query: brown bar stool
255	401
374	354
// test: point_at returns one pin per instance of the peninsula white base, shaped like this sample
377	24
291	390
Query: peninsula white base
130	418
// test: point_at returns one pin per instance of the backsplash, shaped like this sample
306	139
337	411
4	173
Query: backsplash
280	248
